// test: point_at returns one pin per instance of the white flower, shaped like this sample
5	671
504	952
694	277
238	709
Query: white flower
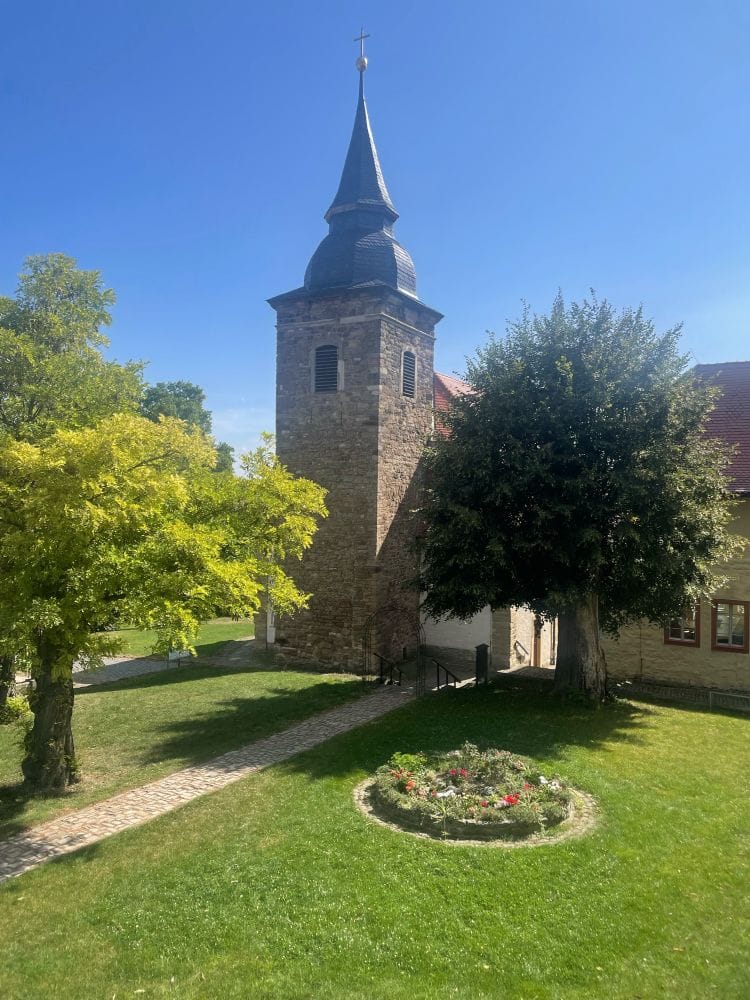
446	793
554	784
543	780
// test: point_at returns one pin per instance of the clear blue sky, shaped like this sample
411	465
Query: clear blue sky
189	151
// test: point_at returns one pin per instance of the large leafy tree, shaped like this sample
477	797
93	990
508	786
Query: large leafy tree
130	515
52	371
577	480
185	400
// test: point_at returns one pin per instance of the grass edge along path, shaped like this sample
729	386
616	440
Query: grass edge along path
137	729
277	887
84	827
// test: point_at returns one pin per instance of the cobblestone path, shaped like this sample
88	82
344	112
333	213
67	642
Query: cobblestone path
87	826
118	668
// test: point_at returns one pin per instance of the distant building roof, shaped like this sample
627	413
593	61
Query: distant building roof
445	389
730	420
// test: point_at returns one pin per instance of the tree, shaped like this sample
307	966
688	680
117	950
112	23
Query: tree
52	373
577	480
177	399
130	515
185	400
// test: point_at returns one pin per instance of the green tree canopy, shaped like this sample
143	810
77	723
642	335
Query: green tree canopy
52	372
577	480
185	400
130	515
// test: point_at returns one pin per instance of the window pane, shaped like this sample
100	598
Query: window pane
675	628
722	624
738	625
684	629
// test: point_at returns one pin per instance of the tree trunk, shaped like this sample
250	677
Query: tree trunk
50	764
7	678
580	665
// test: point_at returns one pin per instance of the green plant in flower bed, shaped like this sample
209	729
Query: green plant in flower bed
469	793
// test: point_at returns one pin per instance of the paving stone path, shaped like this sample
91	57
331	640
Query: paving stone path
87	826
118	668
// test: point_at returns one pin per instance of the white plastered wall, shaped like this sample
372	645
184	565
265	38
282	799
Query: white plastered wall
454	633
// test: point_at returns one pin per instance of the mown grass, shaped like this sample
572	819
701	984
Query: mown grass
130	732
213	636
278	887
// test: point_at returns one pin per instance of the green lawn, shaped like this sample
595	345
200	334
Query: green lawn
277	887
130	732
212	637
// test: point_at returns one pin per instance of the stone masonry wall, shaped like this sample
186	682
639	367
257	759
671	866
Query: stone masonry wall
403	429
362	444
641	653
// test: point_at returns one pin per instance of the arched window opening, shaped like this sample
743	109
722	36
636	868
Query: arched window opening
326	368
409	374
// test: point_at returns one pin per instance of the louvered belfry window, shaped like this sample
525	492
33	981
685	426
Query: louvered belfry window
327	368
409	374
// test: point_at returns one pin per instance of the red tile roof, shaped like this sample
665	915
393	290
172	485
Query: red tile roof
446	388
730	421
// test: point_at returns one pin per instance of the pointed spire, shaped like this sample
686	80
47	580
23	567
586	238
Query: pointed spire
362	184
360	248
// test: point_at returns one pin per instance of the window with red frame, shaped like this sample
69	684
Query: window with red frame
685	631
729	626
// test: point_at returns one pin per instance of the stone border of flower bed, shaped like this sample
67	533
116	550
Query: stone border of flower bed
582	820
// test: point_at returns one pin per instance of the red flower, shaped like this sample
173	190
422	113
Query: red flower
410	785
512	800
464	773
484	805
453	772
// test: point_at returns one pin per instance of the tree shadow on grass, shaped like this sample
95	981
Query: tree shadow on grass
228	725
236	722
520	716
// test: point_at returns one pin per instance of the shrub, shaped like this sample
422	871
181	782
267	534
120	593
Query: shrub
469	793
16	708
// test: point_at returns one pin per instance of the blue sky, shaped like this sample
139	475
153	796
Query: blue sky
189	150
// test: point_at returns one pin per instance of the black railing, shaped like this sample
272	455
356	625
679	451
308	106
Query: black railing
450	677
389	672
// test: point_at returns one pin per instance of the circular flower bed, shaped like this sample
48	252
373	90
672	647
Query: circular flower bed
469	794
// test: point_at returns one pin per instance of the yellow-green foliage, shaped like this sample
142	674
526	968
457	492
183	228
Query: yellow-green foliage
127	516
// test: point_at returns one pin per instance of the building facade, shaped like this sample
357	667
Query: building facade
710	645
354	409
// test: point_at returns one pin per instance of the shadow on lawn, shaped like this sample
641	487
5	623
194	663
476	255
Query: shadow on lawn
192	670
520	716
237	721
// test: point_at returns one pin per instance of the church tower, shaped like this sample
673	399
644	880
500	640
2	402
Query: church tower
354	409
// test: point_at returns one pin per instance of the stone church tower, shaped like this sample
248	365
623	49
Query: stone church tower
354	408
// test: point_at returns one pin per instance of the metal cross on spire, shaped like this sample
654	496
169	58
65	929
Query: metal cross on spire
362	60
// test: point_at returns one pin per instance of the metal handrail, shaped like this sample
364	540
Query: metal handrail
387	670
450	677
